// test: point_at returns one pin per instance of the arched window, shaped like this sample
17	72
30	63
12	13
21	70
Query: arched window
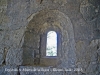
51	45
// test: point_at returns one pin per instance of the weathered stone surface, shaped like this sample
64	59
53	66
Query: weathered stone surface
3	8
14	57
62	2
88	56
22	23
87	10
1	59
8	70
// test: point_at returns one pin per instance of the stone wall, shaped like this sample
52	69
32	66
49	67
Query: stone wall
78	21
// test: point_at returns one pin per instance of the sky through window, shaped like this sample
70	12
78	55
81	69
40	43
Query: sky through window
51	47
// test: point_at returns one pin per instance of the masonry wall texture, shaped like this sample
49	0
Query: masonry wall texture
22	22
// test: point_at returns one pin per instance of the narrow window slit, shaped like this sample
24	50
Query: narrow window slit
51	46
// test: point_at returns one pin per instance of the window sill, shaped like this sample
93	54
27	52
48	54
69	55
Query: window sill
50	57
49	61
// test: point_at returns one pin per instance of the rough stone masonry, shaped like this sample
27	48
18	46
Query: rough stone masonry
23	28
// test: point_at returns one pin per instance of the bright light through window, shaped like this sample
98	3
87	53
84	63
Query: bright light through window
51	47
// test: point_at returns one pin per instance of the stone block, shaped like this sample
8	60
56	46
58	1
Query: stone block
1	59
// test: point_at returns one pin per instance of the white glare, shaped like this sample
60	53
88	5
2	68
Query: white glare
51	48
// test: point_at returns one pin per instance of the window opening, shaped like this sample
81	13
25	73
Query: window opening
51	46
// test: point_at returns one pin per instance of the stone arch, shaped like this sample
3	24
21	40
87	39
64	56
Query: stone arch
38	25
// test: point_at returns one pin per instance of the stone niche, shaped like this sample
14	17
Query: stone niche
34	40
